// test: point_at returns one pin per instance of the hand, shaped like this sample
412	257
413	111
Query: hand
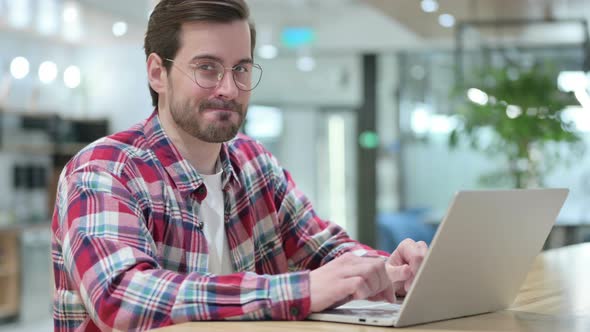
350	277
403	264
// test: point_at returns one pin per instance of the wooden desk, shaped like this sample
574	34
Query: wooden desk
554	298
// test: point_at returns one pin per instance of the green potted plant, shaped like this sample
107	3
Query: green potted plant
521	111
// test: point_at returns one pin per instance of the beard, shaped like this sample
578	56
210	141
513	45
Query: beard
191	119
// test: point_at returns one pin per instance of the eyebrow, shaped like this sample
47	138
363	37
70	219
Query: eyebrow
218	59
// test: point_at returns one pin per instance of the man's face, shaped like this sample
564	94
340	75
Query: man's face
212	115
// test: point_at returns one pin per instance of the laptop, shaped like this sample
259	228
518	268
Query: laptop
476	263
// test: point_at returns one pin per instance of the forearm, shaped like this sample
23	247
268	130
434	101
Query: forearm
128	291
243	296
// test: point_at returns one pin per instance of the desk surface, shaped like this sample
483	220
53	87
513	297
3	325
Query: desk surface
555	297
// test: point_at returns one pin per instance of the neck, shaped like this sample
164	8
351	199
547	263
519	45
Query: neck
200	154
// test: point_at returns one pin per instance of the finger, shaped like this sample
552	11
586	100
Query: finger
355	266
412	253
400	254
399	288
415	263
348	289
374	284
421	249
395	258
422	244
362	290
384	282
398	273
372	270
376	279
387	295
408	284
387	292
407	249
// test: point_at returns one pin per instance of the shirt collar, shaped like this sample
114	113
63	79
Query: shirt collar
183	174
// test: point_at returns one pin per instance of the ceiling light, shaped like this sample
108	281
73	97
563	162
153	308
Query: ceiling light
429	6
70	12
268	51
19	67
72	77
446	20
47	72
306	63
119	29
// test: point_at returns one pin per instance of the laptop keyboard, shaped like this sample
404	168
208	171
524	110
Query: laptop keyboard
366	309
363	312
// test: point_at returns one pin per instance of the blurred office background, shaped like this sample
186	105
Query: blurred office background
381	110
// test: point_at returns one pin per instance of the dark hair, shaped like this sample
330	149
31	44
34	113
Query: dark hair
163	32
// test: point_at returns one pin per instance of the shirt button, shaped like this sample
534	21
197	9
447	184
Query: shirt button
201	193
201	190
294	311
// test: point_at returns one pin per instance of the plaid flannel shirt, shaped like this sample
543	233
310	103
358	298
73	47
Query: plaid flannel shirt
128	254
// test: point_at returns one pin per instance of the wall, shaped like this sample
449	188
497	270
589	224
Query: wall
334	81
116	82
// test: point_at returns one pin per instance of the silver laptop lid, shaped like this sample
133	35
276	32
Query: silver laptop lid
481	253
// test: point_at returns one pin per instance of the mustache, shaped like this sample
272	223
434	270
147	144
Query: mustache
221	104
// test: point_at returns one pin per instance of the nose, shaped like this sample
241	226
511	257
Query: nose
226	88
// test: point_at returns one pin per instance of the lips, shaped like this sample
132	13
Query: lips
220	114
219	105
207	109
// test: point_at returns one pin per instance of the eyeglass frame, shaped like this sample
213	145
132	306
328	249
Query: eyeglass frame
194	78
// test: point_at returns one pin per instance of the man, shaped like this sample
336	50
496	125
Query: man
177	219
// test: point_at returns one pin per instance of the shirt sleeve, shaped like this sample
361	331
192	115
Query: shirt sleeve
110	259
309	241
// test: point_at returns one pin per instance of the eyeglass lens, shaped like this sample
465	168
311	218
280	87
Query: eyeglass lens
209	73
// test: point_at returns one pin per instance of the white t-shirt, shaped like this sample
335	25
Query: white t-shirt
211	214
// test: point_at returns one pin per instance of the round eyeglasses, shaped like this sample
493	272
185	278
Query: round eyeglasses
208	73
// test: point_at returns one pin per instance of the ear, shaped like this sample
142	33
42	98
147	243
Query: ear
157	75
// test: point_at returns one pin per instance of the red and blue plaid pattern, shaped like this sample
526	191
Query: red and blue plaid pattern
128	254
